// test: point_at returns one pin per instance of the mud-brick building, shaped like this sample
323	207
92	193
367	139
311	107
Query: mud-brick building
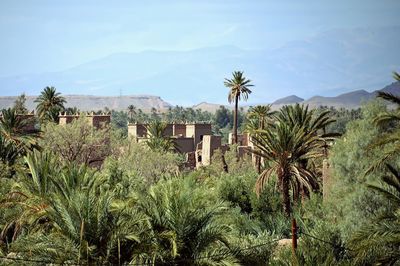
186	136
193	139
95	120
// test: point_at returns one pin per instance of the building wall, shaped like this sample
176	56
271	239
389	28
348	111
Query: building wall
179	130
63	120
168	132
209	145
184	145
137	130
98	121
197	131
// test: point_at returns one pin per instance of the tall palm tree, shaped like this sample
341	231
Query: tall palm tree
379	239
314	124
239	87
284	147
131	112
258	118
50	103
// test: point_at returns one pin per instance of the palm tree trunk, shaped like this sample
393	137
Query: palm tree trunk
258	163
285	195
235	120
224	164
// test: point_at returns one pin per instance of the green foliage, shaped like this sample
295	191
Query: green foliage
350	158
138	160
138	206
119	120
157	141
341	116
184	225
14	142
19	104
379	240
76	142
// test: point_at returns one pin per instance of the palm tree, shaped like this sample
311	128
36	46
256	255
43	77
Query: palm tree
239	88
131	112
184	229
258	117
390	122
12	130
50	103
313	124
262	114
157	141
70	205
9	153
380	239
30	196
311	121
284	147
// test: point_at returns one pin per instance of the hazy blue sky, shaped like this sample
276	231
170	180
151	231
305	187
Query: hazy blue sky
39	36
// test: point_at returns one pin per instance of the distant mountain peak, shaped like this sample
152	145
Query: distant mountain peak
289	100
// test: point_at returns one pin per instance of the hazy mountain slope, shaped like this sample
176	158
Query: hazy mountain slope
89	102
210	107
348	100
393	88
329	63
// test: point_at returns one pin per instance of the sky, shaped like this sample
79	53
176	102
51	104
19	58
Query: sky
45	36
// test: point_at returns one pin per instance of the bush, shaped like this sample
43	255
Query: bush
136	159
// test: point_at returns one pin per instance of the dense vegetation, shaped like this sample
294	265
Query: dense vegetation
140	206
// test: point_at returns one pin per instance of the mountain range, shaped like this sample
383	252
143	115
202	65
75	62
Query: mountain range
350	100
327	64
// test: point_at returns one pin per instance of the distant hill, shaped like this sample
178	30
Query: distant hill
289	100
89	102
210	107
349	100
393	88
